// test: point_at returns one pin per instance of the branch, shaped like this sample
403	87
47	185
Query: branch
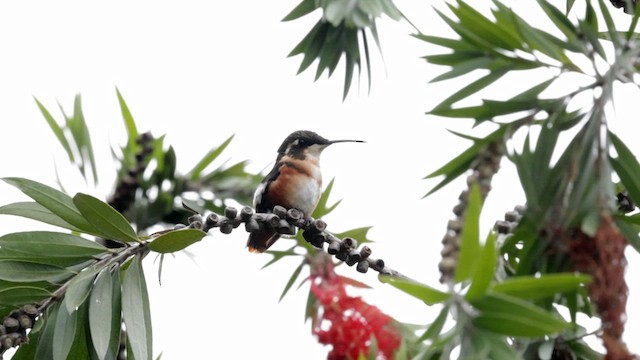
285	222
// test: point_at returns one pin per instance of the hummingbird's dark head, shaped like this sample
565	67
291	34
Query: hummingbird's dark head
301	143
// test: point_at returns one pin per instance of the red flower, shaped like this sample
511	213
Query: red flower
348	323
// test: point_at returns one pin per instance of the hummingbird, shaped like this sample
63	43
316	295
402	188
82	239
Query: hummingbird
294	182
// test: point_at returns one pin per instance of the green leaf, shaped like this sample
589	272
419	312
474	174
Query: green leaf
278	255
470	236
627	167
80	132
20	295
471	88
208	159
26	271
611	26
453	44
33	210
104	313
484	269
176	240
464	68
292	279
108	222
434	330
136	312
322	208
129	123
548	285
462	162
304	8
634	23
54	200
51	244
559	19
57	130
482	27
360	234
45	343
64	332
79	289
512	316
423	292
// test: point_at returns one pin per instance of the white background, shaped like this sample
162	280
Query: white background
201	71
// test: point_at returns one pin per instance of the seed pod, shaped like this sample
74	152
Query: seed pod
348	243
334	247
11	324
294	214
363	266
354	255
280	211
194	218
246	213
318	240
212	220
341	255
25	321
319	225
365	252
378	265
230	212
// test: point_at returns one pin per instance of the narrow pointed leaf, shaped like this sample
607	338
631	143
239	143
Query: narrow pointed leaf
108	222
611	26
79	289
484	269
302	9
627	167
548	285
129	123
25	271
323	208
64	332
292	280
278	255
45	343
423	292
434	330
57	130
20	295
54	200
470	236
176	240
209	158
33	210
52	244
561	21
511	316
360	234
471	88
136	312
101	313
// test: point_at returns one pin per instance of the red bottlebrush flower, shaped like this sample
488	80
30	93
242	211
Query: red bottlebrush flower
348	323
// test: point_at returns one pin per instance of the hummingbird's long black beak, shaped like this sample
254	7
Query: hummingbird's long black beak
339	141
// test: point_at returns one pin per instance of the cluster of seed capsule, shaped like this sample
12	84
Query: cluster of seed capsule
125	191
487	164
286	222
13	330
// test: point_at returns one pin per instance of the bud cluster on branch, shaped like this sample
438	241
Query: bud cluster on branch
487	164
286	222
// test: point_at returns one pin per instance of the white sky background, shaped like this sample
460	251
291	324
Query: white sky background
200	72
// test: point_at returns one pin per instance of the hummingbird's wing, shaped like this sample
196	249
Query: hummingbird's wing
260	241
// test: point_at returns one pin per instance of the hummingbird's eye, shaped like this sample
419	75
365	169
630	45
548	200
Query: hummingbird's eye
302	142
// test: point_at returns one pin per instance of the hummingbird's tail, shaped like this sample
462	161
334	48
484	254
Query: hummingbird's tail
260	241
